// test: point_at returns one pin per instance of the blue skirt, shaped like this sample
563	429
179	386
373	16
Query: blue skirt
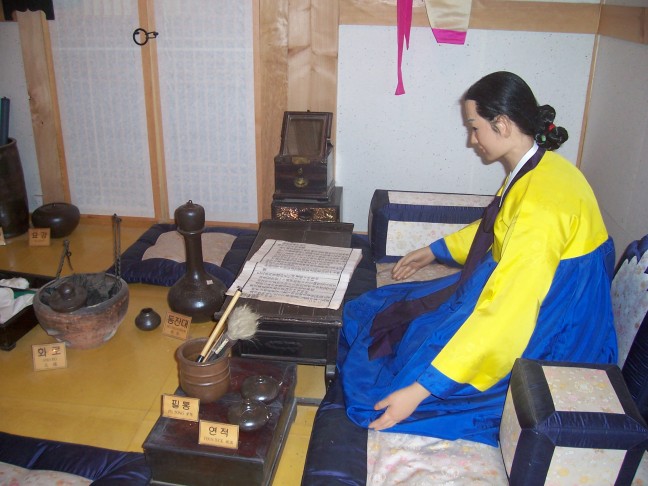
575	324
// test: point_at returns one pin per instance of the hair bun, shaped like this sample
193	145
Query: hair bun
548	135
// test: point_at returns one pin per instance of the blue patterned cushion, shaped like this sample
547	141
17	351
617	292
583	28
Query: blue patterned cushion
163	271
103	466
630	294
630	301
635	369
570	423
402	221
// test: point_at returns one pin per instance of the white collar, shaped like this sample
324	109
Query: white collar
530	153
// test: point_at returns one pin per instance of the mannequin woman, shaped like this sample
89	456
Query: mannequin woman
433	358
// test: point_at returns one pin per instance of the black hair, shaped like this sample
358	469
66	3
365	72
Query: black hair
504	93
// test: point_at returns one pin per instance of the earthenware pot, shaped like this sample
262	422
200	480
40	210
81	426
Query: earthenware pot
92	323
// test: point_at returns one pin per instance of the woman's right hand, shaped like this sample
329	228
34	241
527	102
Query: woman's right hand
412	262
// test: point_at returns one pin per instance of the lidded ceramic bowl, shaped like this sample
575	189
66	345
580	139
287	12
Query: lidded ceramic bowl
60	217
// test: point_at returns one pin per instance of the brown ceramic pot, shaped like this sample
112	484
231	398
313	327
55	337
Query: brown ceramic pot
208	380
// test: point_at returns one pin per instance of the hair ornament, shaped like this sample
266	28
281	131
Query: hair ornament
551	127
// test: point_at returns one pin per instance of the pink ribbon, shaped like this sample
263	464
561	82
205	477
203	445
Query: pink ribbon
403	27
445	36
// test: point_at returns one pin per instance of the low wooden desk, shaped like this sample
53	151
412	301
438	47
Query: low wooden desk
290	332
175	457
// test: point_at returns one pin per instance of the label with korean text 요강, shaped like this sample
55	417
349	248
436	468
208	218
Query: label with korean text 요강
39	237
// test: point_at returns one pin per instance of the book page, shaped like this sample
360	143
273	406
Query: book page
298	273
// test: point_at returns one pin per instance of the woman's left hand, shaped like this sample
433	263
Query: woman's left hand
398	406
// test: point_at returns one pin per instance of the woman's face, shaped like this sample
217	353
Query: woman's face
483	136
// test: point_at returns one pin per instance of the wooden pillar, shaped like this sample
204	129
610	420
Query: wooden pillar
270	90
153	104
295	70
43	103
313	55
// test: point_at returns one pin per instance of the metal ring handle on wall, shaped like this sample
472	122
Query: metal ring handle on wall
148	35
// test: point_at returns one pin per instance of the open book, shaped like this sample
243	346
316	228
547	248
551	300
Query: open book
298	273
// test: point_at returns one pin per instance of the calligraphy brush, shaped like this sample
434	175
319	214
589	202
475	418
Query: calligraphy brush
242	325
218	330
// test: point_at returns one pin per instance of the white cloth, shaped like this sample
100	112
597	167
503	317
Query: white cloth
15	283
10	306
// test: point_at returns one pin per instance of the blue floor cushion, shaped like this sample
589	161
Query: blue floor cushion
158	256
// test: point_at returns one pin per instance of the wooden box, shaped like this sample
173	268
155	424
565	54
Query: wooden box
21	323
304	165
175	457
299	210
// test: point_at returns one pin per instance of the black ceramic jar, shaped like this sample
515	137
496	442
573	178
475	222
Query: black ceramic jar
148	319
62	218
14	211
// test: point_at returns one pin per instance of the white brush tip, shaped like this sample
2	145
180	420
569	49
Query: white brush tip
242	323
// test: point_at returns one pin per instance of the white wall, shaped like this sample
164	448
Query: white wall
616	143
417	141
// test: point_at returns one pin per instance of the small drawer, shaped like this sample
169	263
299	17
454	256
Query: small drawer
303	348
325	211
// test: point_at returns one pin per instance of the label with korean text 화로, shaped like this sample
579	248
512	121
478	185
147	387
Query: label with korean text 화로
49	356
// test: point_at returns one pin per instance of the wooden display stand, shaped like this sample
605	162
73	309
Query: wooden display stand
304	181
175	456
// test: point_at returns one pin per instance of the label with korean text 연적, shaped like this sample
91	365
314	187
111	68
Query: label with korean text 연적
218	434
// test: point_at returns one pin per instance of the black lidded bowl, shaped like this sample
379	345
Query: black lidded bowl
62	218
